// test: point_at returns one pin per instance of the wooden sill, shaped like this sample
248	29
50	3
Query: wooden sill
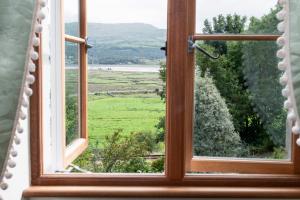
200	192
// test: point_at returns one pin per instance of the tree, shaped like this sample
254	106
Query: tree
71	118
262	77
120	153
233	24
228	75
233	81
214	133
160	126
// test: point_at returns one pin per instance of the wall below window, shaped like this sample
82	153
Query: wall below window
21	175
129	199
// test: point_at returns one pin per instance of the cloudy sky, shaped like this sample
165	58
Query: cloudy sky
155	11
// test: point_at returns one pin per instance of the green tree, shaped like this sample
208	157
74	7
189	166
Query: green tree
126	153
214	133
71	118
160	126
228	75
233	24
262	77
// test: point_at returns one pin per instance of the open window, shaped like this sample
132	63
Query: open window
68	132
239	124
75	79
207	121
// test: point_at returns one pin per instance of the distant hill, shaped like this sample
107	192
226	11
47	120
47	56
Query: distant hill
135	43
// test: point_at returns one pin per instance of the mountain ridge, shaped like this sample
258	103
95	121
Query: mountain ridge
122	43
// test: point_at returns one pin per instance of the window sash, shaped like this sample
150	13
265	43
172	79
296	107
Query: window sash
78	146
252	166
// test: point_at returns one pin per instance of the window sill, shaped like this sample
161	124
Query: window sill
200	192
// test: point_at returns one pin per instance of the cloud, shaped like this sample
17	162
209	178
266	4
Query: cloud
155	11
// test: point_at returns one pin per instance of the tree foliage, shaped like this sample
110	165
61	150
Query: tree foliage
214	133
122	154
71	119
261	75
229	75
233	24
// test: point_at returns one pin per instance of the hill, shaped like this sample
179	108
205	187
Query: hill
126	43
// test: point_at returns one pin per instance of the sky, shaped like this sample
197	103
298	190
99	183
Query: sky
155	11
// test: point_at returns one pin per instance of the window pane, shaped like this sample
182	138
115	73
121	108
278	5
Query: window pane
235	16
238	103
72	92
126	105
71	14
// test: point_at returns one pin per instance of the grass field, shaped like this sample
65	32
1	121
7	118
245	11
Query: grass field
126	101
131	113
101	81
120	101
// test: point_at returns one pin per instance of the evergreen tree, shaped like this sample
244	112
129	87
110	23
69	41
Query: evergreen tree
214	133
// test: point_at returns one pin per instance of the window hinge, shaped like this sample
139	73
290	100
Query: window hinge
165	48
87	44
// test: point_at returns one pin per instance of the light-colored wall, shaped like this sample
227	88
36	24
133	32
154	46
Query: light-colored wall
133	199
20	179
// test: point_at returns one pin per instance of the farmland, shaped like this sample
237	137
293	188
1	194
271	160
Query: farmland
119	101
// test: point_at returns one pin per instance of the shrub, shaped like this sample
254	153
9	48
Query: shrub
158	165
126	153
214	133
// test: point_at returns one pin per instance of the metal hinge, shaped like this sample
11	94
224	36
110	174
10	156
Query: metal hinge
165	48
87	44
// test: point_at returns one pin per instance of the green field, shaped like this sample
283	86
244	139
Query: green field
131	113
126	101
101	81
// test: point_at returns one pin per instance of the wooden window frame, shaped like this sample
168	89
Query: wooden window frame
175	182
78	146
223	165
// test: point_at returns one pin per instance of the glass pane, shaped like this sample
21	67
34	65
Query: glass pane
126	83
72	92
238	103
72	16
235	16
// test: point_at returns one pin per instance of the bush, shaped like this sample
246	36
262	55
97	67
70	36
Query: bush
158	165
71	119
120	153
214	133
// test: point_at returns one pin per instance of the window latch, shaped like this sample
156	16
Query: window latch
87	44
192	45
165	48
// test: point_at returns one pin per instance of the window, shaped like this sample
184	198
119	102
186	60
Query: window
74	73
240	124
180	125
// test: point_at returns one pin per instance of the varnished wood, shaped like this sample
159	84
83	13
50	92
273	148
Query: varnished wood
36	121
176	65
83	73
189	89
199	192
241	166
295	154
237	37
74	39
211	180
177	121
